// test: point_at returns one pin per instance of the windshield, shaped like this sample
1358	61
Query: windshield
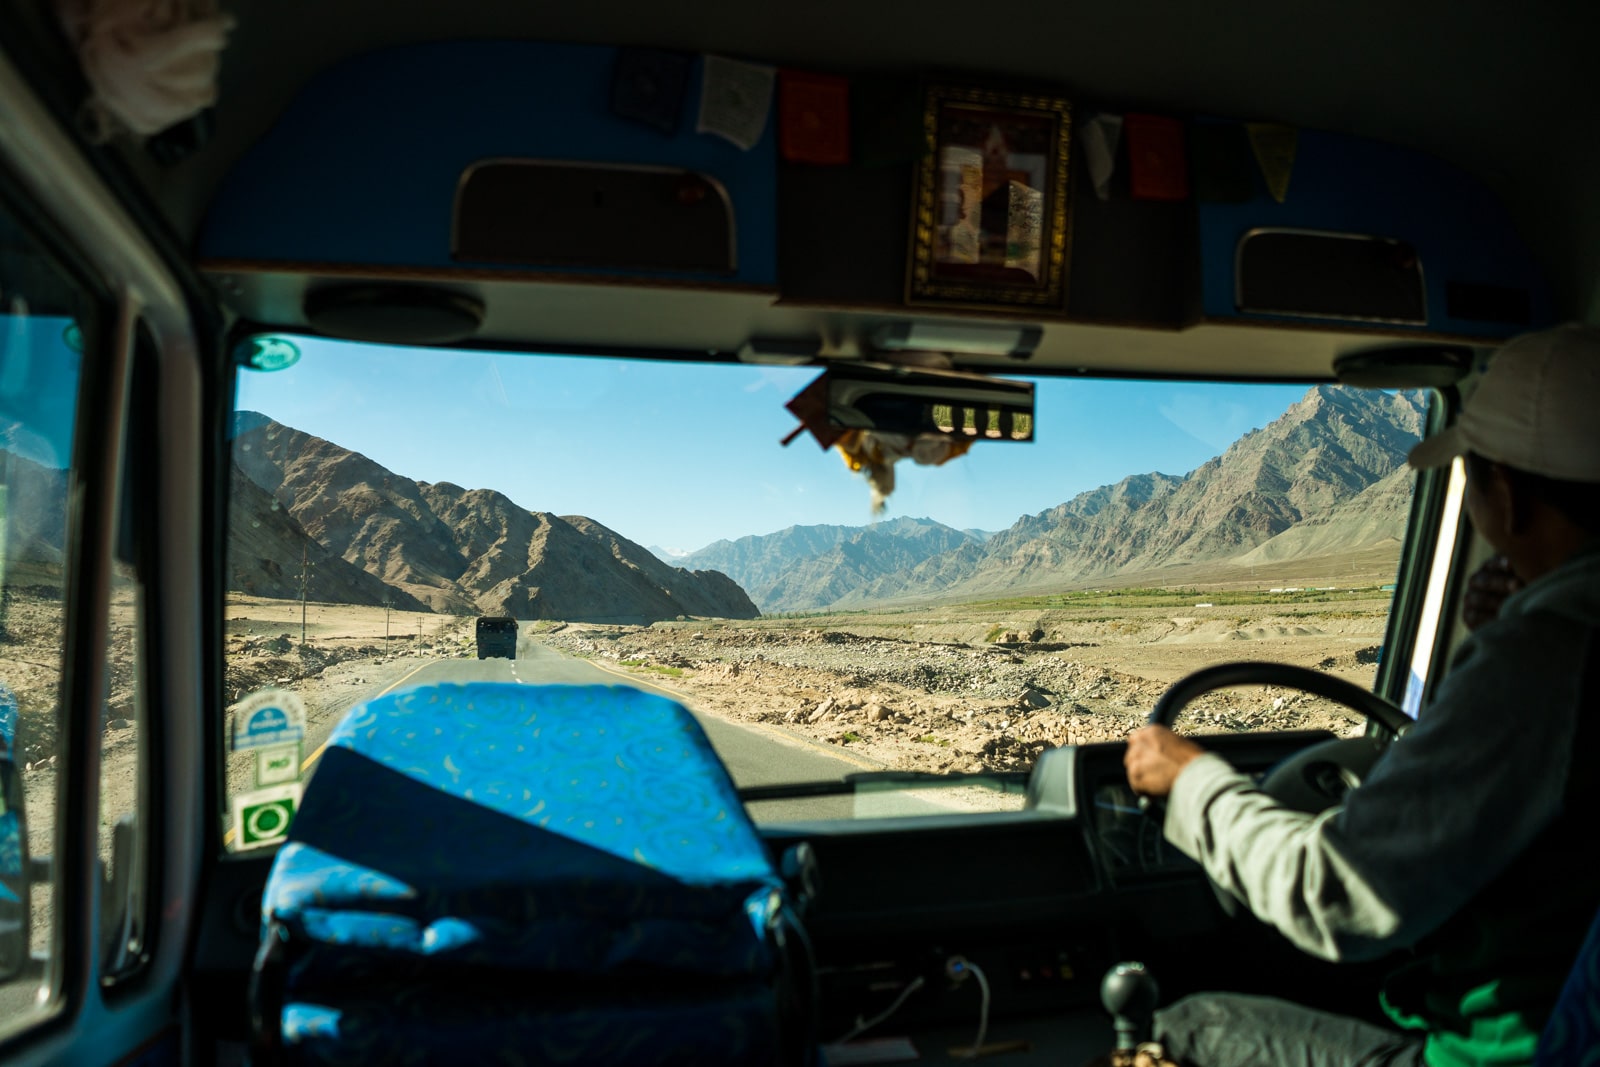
643	525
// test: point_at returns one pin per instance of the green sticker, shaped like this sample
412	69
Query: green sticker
262	817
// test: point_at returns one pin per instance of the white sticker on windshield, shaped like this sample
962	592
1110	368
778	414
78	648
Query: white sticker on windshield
276	764
268	717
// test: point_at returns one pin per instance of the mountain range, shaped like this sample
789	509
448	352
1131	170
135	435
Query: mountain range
363	534
1327	476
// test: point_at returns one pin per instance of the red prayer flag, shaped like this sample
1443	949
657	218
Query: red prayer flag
814	118
1158	166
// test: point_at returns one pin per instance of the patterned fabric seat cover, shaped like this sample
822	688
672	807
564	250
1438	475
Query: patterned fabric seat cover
566	871
1572	1036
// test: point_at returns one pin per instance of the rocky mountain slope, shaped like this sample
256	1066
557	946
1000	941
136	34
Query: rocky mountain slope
268	552
449	549
807	566
1327	476
33	509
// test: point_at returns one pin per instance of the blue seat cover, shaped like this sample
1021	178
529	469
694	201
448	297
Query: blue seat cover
1572	1036
563	830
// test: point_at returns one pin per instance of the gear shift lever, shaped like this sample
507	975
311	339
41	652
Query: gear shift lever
1129	994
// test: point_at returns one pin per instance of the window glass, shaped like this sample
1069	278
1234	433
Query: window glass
41	339
643	524
122	780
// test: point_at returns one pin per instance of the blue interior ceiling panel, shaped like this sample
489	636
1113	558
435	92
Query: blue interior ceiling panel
363	167
1468	250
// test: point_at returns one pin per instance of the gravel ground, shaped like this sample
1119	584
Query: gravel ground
922	705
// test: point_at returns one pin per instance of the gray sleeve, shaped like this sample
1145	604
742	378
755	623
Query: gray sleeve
1446	808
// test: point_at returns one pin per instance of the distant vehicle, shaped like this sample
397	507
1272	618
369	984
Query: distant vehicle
497	637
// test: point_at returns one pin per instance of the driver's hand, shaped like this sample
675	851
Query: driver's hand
1487	589
1155	758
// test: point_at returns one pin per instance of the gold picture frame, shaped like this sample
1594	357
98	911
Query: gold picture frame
989	219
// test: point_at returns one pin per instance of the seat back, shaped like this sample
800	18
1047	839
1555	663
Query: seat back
1572	1036
557	866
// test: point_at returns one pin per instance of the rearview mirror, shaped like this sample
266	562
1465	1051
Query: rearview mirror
889	399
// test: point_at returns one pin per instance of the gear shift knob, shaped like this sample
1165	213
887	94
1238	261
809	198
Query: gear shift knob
1129	994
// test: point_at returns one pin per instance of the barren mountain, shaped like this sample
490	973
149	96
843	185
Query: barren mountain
33	509
268	552
458	550
1325	477
1375	516
805	566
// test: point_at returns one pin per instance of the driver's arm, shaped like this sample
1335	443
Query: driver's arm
1445	810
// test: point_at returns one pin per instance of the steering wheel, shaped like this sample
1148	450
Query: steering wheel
1316	777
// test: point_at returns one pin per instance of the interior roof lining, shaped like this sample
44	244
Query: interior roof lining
711	325
1514	108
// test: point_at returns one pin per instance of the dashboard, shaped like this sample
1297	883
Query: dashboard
1081	839
1127	840
1045	899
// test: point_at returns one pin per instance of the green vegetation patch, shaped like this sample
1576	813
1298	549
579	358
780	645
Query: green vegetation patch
929	739
670	672
1147	597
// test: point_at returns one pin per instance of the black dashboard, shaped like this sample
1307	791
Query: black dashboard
1080	839
1128	840
1045	898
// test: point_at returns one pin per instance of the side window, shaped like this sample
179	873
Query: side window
124	733
42	330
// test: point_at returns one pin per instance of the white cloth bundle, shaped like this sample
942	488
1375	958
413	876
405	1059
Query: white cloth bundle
151	63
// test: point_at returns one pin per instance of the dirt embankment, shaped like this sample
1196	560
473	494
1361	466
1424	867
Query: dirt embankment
947	706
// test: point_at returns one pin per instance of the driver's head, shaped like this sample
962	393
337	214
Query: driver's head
1530	435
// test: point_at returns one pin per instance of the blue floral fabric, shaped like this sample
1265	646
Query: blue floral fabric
10	852
8	722
557	828
10	821
613	767
1572	1036
587	836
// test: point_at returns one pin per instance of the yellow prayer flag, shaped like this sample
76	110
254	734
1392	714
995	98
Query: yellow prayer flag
1274	148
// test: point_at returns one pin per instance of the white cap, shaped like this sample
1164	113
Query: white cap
1537	409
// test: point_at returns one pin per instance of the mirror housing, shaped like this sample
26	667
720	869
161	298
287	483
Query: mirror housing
889	399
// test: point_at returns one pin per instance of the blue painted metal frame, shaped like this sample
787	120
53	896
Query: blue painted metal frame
363	166
1346	184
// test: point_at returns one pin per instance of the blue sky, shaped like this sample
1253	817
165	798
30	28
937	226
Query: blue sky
38	388
681	455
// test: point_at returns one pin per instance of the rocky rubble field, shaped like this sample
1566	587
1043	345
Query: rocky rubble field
261	652
918	705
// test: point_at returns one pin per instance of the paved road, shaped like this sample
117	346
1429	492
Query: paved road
754	755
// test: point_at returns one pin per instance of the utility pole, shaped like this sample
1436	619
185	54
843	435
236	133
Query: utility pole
388	602
305	585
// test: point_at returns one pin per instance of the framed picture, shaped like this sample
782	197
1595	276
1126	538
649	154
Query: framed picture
989	210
